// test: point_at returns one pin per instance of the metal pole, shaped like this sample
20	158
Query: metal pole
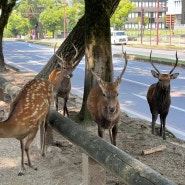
170	29
64	19
157	23
141	21
150	27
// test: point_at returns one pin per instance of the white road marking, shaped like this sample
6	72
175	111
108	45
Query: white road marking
174	107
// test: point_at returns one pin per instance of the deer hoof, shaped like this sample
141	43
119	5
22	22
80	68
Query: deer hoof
20	173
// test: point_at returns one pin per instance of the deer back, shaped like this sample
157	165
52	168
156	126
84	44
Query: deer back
28	109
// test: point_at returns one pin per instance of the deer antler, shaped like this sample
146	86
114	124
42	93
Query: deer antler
74	58
152	63
125	66
60	58
175	64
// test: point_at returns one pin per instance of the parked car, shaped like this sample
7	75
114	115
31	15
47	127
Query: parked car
119	37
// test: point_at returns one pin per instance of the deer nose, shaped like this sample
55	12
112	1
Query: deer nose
112	110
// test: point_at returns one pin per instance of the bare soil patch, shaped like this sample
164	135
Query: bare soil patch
63	163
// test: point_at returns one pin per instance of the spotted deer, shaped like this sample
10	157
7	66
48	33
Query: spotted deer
61	79
103	104
158	96
28	110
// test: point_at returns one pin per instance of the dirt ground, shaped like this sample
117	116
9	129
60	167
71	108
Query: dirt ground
63	164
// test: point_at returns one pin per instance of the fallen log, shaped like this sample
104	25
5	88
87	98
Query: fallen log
153	150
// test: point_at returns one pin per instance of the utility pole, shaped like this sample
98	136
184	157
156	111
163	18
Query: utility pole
142	21
157	23
64	19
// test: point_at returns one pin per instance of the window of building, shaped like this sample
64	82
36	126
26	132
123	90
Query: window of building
160	14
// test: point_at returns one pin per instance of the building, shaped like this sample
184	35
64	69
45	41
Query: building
175	8
154	9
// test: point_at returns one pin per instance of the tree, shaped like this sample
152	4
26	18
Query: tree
77	37
145	21
97	47
120	16
32	9
52	18
17	24
6	7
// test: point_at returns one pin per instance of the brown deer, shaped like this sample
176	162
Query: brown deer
103	104
28	110
61	79
158	96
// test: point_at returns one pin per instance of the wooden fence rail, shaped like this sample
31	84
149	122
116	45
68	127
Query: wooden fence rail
127	168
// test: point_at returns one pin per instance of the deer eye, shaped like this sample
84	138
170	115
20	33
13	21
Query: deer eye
103	94
64	68
117	94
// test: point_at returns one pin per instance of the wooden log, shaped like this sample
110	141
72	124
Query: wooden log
9	88
128	169
153	150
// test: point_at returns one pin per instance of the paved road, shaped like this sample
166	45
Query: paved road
169	54
132	93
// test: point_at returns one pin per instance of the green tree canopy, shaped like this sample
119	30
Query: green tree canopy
120	16
18	24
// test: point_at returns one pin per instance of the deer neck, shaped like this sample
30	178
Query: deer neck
162	93
6	129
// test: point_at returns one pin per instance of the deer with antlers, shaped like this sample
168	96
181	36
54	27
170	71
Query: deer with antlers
28	110
158	96
61	79
103	104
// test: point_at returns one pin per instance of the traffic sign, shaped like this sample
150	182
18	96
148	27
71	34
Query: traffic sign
170	19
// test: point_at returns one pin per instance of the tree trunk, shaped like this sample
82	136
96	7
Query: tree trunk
77	37
97	47
2	63
6	8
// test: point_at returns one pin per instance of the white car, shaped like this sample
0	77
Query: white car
119	37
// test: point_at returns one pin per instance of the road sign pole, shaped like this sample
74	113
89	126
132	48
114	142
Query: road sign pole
170	29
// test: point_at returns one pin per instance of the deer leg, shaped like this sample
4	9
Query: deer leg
21	172
65	110
162	129
110	135
100	131
45	125
114	134
56	103
154	118
27	148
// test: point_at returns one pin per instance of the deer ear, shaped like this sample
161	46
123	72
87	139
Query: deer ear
174	76
156	75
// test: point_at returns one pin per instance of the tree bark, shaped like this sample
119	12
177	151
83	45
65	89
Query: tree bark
6	9
97	47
